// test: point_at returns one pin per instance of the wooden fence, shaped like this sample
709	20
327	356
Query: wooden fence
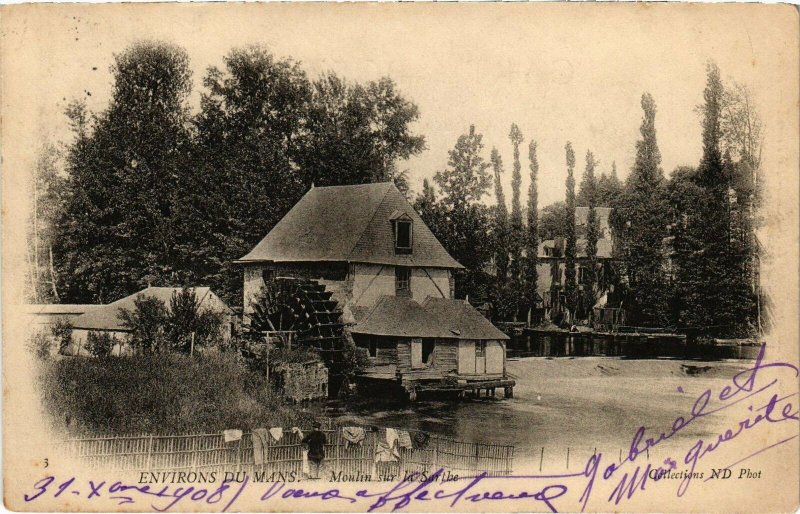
210	452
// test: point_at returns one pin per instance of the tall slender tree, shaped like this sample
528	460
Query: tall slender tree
532	239
645	215
589	184
570	247
517	229
713	290
501	229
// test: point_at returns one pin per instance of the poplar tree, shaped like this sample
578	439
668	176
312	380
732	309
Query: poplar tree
501	220
592	231
712	254
517	230
646	217
532	239
570	250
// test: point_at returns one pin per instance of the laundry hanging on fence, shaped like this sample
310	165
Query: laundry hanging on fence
260	443
420	440
276	433
383	453
403	439
232	434
391	437
353	435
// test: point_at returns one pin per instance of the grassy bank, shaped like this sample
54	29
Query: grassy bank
164	393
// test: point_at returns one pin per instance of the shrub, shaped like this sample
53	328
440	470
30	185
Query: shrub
146	322
100	344
62	332
186	318
40	345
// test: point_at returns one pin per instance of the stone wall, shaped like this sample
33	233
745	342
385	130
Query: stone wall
301	381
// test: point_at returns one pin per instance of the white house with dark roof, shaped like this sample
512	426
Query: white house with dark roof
393	282
362	242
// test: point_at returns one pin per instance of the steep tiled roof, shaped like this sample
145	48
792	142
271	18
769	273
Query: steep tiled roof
397	316
461	319
439	318
106	317
349	224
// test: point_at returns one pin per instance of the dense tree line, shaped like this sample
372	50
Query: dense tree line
686	255
156	193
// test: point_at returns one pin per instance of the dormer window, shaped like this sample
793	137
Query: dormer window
402	239
403	232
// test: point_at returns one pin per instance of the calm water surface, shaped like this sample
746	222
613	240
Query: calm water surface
590	345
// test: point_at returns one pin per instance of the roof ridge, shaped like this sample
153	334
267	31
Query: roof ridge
365	184
371	218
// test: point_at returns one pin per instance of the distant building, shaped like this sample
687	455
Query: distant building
46	315
105	318
552	262
364	244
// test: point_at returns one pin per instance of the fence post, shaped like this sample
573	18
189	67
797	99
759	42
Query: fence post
194	453
338	443
149	452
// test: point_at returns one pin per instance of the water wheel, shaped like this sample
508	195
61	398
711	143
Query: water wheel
303	307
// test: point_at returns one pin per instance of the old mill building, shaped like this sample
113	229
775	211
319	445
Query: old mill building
392	282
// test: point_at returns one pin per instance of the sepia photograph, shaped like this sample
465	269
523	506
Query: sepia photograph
400	257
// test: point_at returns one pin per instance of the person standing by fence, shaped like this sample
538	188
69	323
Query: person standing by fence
315	442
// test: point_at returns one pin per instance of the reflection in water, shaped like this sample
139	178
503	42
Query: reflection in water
564	344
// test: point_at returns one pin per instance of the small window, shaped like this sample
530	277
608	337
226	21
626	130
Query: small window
480	348
403	236
402	281
373	347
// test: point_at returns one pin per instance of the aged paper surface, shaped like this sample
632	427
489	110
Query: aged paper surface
577	416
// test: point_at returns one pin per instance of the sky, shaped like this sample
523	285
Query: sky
562	72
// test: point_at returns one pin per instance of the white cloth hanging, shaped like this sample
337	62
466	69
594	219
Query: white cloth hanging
232	435
276	433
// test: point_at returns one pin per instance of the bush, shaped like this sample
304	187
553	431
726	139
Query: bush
186	318
62	332
40	345
146	322
167	393
100	344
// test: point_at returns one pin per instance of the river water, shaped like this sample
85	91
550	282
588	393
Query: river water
571	392
563	344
